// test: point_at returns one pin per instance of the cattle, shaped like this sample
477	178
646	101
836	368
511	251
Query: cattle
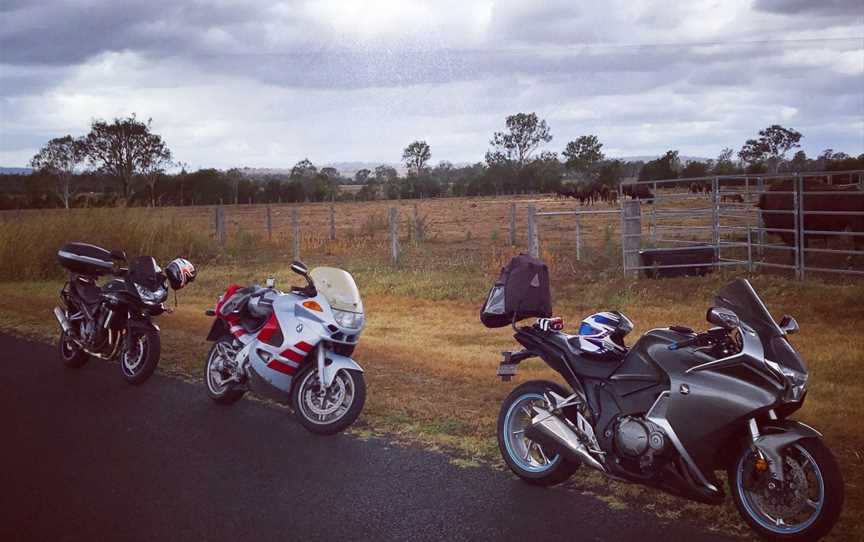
588	194
848	199
638	191
735	198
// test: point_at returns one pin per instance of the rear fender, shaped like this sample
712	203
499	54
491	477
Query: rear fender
330	363
779	435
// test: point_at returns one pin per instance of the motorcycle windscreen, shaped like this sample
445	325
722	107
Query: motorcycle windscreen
338	288
740	296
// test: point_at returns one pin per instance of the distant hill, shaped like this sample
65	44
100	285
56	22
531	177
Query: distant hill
346	169
15	171
648	158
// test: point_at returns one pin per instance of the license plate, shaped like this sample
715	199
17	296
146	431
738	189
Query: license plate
506	371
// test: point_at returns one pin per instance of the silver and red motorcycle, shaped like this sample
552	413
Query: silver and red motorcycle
293	347
674	408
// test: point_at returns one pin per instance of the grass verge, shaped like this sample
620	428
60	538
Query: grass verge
431	365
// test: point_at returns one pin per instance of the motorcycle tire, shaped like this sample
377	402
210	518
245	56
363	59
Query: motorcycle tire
828	507
532	468
227	396
72	356
137	368
315	417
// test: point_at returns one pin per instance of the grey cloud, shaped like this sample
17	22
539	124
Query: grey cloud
853	8
64	33
572	63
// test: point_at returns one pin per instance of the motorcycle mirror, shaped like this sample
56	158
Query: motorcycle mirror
788	325
271	282
299	268
723	317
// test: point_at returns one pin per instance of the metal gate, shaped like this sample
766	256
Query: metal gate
758	222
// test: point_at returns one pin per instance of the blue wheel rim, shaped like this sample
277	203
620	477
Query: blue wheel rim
760	517
508	437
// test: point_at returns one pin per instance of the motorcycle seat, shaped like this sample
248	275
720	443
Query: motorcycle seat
249	304
582	363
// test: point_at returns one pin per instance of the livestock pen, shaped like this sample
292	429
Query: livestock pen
695	225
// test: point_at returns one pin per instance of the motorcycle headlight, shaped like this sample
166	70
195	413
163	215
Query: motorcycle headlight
796	379
350	320
151	297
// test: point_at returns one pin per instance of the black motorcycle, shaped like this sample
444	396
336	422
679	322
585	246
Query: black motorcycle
114	320
672	409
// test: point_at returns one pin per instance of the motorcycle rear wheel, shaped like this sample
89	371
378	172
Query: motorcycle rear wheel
71	354
810	465
526	458
224	394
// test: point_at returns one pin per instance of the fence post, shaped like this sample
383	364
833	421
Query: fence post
800	236
631	234
295	234
715	222
513	224
760	233
269	224
533	241
219	218
418	225
578	237
332	221
394	235
653	224
749	248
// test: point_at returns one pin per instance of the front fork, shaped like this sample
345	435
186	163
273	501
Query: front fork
769	446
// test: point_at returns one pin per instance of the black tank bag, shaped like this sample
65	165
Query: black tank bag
521	291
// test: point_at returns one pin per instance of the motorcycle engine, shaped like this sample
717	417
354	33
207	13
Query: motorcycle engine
639	439
92	330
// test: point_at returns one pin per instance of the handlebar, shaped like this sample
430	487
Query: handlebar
685	343
708	338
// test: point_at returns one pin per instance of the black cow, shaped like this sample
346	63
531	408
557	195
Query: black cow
638	191
849	199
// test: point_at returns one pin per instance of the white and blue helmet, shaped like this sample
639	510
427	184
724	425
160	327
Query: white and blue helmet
603	333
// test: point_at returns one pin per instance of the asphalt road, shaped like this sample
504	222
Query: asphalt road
84	456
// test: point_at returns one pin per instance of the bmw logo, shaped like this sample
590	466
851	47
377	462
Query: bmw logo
299	328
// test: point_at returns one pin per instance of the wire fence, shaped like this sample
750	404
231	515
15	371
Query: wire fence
803	224
692	226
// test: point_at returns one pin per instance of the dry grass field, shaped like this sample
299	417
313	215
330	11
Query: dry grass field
430	363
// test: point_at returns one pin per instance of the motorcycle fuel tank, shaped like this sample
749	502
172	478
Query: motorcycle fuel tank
274	362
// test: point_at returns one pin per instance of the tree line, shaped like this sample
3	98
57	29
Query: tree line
123	162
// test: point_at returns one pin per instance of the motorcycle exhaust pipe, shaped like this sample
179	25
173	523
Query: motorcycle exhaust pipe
61	319
547	427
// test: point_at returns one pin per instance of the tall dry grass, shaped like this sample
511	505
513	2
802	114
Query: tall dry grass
28	246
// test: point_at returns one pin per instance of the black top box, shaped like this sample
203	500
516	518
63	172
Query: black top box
85	259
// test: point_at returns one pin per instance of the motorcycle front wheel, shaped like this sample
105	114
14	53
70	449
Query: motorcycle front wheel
139	356
329	411
527	459
805	507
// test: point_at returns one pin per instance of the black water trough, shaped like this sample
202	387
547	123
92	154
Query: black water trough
694	261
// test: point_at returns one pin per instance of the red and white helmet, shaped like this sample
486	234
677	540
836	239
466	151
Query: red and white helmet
180	272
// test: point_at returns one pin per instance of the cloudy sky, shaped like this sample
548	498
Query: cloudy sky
264	83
